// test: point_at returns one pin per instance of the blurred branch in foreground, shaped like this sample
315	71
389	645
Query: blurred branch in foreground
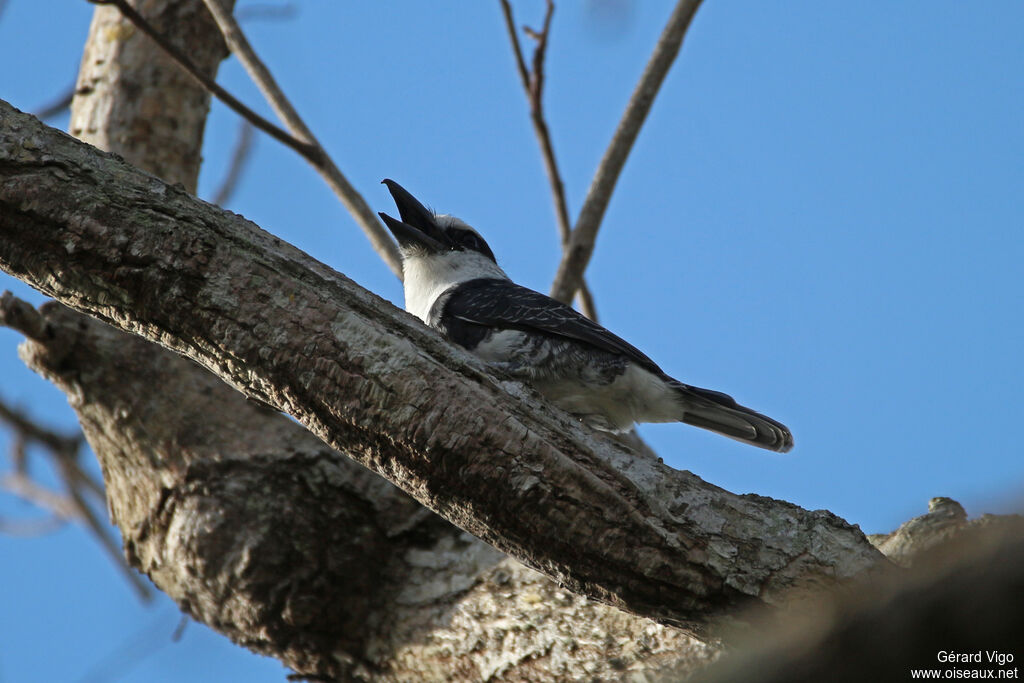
239	157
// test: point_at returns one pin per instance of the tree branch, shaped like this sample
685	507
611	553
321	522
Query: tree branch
301	139
308	150
533	87
577	253
63	451
239	157
182	467
365	376
260	74
57	106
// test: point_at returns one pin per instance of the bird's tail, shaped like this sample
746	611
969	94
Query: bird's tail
721	414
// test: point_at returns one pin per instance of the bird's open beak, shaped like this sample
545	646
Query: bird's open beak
417	227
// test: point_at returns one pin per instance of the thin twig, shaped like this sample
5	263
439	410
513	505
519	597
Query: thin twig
533	86
57	106
258	72
581	243
28	429
304	148
266	11
63	451
300	139
241	154
23	487
73	476
31	527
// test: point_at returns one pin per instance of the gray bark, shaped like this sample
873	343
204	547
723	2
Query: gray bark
132	99
123	246
422	601
258	529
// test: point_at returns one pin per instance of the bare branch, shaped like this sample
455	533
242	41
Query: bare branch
267	12
21	316
581	243
40	496
73	480
63	451
307	150
239	157
533	86
165	462
365	377
31	527
353	201
58	106
32	431
302	141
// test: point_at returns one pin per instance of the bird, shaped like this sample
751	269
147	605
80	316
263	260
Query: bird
453	283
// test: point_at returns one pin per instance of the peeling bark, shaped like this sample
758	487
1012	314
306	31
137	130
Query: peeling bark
128	248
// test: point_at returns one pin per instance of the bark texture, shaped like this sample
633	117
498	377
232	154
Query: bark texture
257	528
370	380
962	594
419	600
132	99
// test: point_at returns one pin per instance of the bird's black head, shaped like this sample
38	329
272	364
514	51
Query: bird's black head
420	229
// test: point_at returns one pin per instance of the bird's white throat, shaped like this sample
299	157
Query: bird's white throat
428	276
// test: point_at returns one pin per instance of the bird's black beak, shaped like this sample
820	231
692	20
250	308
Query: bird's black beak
417	227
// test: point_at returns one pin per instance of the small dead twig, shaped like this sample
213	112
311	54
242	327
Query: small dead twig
241	154
577	253
306	149
74	483
533	85
79	485
58	106
31	527
267	12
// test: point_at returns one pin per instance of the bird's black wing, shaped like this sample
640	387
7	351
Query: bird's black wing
477	307
502	304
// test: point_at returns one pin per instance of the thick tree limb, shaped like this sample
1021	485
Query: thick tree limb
126	247
577	253
962	594
182	466
433	602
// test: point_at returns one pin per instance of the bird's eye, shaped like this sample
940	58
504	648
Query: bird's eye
464	239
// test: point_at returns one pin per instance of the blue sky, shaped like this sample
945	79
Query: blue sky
824	216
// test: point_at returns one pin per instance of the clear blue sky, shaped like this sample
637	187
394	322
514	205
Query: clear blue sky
824	216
